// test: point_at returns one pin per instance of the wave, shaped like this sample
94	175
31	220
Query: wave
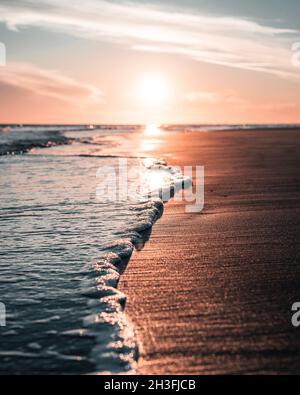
19	139
14	142
117	350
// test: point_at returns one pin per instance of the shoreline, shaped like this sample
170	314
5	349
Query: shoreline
203	294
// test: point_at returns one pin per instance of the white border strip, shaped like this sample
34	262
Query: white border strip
2	54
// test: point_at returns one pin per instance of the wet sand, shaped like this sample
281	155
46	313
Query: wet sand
212	292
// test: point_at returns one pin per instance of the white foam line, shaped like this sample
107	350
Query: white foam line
116	350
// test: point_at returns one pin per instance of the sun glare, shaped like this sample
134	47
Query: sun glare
152	90
152	130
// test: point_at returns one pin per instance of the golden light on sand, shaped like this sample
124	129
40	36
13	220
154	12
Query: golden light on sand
152	90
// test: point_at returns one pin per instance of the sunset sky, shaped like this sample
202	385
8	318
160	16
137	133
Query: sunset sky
191	61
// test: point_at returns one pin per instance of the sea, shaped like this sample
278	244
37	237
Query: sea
75	202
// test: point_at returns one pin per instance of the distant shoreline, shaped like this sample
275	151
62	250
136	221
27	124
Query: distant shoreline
163	126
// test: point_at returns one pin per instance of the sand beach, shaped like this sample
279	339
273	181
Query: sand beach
212	292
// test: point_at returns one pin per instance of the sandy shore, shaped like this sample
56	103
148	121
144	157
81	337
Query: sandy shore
212	292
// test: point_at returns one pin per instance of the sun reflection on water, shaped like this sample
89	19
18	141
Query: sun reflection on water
152	130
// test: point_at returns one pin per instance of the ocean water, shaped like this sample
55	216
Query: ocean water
65	242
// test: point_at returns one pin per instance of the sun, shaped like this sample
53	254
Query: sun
152	89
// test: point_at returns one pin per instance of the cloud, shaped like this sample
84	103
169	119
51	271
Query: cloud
228	41
49	83
206	97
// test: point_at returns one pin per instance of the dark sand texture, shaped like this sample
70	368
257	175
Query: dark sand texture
212	292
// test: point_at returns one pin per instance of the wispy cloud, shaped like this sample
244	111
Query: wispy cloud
49	83
228	41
